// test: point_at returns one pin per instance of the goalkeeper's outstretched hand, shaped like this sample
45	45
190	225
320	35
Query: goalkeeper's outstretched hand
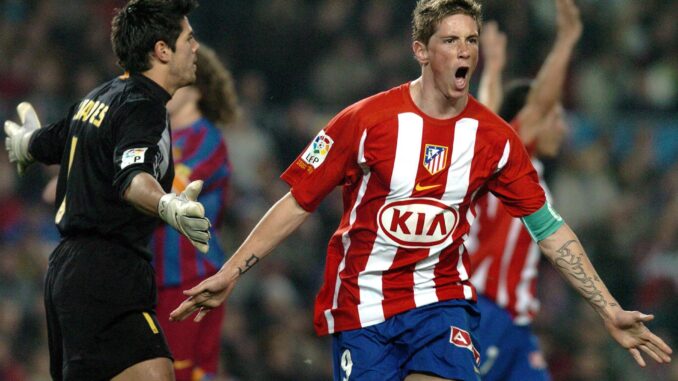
18	136
187	215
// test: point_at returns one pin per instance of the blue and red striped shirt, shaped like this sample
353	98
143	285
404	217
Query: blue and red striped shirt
200	153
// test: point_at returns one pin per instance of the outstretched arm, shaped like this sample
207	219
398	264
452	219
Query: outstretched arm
493	45
277	224
548	85
567	255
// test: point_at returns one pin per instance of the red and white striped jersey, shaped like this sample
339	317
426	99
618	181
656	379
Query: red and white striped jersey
409	186
505	259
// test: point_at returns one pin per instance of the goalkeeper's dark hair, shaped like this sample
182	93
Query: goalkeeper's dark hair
515	97
137	26
218	100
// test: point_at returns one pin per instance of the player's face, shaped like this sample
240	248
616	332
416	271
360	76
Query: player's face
453	54
184	60
551	137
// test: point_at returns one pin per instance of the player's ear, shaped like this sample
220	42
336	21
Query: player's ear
420	52
162	51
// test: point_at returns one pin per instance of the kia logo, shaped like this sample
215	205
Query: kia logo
418	222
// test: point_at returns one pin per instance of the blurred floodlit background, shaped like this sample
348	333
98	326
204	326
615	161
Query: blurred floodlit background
297	63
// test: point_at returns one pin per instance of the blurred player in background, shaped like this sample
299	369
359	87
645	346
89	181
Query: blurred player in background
396	295
197	113
505	259
114	149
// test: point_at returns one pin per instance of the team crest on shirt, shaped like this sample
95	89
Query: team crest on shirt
435	158
462	339
417	222
317	151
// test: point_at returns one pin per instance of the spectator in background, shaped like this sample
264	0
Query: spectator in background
505	259
197	113
397	296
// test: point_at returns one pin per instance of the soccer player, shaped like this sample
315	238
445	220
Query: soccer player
197	113
412	160
503	255
116	166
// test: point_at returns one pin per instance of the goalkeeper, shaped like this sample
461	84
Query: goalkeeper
115	152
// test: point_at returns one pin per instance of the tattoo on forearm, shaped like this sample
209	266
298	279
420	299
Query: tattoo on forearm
249	263
572	265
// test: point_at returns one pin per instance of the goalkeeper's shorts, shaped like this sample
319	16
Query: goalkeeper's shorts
100	304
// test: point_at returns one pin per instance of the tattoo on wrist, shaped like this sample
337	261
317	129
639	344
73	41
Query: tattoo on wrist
571	263
249	263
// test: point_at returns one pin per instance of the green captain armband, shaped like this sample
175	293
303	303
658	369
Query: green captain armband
543	222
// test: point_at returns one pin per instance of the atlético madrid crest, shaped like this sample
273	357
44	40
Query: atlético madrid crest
435	158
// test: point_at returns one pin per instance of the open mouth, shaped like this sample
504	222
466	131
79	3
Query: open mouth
460	77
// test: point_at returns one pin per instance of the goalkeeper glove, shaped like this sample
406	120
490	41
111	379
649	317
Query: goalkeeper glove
187	215
18	136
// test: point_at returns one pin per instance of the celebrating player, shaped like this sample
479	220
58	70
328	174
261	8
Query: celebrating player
199	153
116	166
412	161
504	257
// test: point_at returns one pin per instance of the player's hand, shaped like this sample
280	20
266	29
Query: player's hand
18	136
209	294
568	20
187	215
628	328
493	45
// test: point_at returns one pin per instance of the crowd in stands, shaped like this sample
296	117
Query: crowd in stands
298	62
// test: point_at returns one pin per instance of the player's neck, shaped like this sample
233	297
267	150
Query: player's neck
433	102
158	76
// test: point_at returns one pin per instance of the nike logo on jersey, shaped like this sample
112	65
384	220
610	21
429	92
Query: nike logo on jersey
420	187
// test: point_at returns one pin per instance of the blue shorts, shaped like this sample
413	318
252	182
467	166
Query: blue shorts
510	352
436	339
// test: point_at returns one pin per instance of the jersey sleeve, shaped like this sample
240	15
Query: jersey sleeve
516	183
141	142
327	162
48	143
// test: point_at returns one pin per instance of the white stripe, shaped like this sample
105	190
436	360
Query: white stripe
424	286
479	277
504	156
345	238
461	269
511	240
408	151
459	174
468	292
523	296
456	188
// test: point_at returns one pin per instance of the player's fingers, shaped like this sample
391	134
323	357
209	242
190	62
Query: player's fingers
200	288
193	190
11	128
184	310
636	356
645	348
659	343
28	115
664	356
201	314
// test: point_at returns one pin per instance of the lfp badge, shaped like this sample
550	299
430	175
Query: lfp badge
317	151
